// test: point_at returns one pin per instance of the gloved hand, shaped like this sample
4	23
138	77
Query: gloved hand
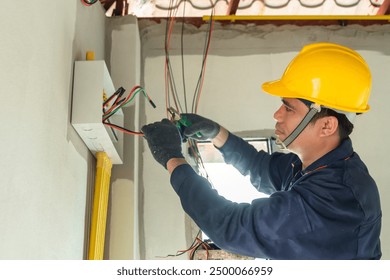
164	141
200	128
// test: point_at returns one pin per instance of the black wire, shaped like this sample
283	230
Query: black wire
192	143
121	128
192	4
171	87
185	251
112	130
182	58
196	249
106	118
206	43
212	5
201	169
120	91
166	50
172	83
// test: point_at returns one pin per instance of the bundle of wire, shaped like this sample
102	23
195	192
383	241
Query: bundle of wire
111	107
171	92
172	96
198	243
170	84
194	247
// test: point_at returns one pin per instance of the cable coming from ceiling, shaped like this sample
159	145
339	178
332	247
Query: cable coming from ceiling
171	94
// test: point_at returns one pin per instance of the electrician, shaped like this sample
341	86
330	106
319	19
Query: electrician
323	203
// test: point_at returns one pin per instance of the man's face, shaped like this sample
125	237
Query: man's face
287	117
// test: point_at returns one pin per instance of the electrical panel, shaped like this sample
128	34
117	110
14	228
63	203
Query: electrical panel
92	83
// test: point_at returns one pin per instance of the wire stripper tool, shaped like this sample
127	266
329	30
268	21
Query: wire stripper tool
181	122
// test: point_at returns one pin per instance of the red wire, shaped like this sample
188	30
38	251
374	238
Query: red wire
124	130
197	245
130	94
116	104
168	79
166	84
204	66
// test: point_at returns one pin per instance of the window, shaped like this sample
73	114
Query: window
229	183
225	178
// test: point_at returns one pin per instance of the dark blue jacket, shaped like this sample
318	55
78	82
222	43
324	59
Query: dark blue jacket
331	210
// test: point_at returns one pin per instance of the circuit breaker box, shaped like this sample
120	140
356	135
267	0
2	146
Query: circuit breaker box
92	82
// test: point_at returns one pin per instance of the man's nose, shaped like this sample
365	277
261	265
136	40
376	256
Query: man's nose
277	114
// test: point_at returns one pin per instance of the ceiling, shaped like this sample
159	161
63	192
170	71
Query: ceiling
200	8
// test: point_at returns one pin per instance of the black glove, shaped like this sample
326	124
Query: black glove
164	141
199	128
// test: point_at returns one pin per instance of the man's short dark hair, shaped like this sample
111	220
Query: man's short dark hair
345	126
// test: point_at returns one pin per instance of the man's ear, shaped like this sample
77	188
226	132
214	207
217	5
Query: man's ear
329	126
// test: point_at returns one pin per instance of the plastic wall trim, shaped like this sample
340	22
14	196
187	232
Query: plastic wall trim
100	205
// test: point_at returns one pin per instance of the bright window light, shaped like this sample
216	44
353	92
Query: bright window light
226	179
228	182
231	184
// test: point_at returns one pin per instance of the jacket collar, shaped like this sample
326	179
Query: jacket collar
343	151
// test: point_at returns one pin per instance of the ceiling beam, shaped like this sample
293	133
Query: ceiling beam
384	9
232	8
107	3
118	11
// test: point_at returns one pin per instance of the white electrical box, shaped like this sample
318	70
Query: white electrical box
91	81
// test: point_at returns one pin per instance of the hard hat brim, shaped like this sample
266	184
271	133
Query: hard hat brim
277	88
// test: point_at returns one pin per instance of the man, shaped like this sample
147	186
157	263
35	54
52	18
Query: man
323	203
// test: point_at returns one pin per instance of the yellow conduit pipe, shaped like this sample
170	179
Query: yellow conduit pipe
100	205
233	18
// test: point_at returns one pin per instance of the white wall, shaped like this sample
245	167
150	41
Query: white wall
240	60
123	45
45	170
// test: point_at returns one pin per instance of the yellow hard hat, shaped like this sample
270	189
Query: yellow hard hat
327	74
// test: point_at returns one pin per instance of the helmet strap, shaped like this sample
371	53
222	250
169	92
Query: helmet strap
314	109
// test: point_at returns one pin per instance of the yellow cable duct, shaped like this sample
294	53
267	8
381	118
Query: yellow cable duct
100	205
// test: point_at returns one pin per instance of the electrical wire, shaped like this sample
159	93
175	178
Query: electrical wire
172	95
194	247
173	99
170	84
199	85
182	59
119	103
109	111
176	6
122	129
212	5
196	98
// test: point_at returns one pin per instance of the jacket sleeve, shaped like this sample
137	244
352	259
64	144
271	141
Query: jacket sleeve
267	228
329	213
266	171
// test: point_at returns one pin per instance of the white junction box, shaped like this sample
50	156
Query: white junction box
91	81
